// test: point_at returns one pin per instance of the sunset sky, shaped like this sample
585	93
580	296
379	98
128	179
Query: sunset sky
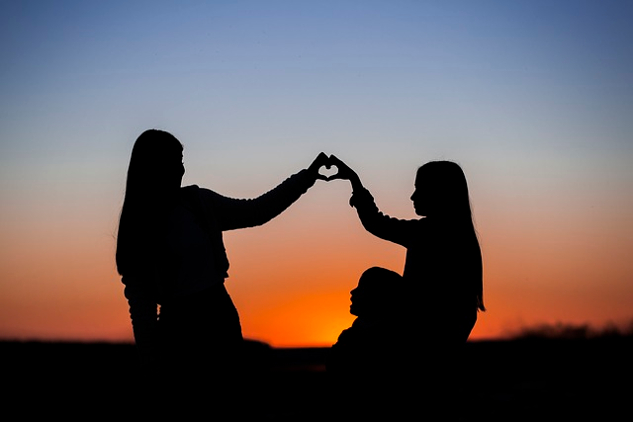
534	99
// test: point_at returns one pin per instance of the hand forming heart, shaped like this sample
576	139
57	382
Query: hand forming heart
334	168
329	172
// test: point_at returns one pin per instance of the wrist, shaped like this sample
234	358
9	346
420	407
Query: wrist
355	181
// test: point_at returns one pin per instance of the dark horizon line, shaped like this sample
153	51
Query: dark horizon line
258	343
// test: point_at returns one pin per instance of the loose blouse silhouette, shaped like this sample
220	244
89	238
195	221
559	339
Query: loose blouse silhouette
171	255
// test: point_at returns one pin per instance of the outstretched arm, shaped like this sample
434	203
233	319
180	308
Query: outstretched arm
374	221
239	213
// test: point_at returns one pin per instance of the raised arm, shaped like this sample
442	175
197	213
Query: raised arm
374	221
240	213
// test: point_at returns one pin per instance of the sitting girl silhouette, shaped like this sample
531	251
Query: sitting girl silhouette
442	282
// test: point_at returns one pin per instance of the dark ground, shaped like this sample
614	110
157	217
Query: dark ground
518	380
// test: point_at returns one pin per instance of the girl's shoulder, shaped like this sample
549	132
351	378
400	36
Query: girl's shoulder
197	193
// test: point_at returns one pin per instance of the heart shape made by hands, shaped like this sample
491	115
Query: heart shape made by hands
328	173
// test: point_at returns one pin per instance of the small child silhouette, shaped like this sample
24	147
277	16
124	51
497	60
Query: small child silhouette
364	347
363	363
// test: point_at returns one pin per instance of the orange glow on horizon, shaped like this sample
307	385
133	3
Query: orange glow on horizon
295	291
290	279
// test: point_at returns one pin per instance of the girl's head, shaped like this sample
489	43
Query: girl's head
156	163
376	295
441	191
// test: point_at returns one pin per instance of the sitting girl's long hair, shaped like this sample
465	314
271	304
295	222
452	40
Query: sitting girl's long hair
446	189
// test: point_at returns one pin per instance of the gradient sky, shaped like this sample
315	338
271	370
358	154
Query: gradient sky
533	98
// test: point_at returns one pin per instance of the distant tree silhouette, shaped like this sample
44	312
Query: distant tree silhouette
568	331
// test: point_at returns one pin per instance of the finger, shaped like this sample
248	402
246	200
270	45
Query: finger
318	162
335	177
331	162
325	160
334	160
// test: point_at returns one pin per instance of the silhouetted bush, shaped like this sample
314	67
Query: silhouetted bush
563	331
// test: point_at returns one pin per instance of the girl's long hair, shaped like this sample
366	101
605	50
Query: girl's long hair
447	189
152	182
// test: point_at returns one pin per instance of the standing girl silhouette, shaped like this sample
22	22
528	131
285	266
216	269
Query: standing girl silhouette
171	257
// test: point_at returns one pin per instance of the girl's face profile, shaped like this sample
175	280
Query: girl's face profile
354	299
420	198
359	298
